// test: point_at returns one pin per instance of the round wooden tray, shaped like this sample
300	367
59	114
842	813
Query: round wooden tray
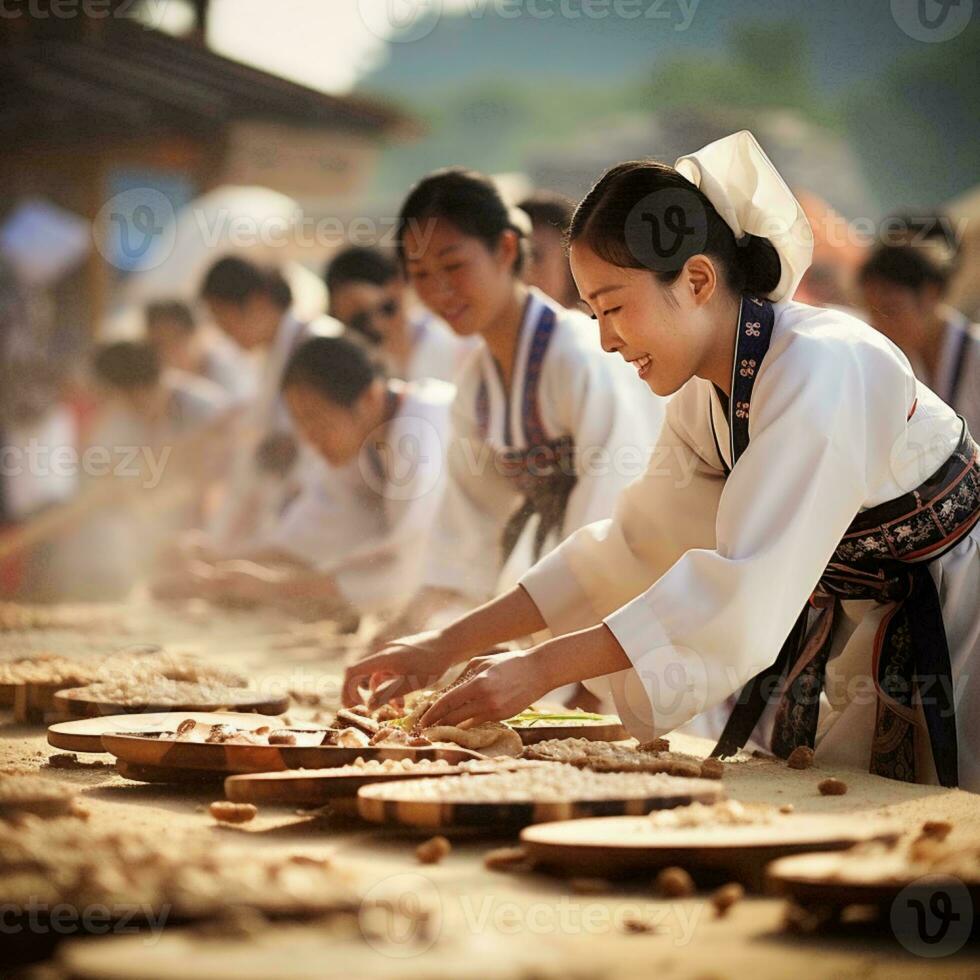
85	734
611	846
230	758
387	805
75	705
815	879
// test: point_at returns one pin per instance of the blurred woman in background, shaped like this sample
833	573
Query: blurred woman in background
904	291
547	429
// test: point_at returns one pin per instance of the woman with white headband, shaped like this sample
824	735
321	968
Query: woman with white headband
820	570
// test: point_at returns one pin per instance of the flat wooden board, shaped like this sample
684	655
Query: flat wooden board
313	787
73	704
611	846
817	879
392	805
230	758
85	734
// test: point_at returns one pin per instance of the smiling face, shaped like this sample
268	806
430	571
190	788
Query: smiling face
665	331
456	276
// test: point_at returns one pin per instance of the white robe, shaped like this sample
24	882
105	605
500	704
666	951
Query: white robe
701	578
370	528
584	393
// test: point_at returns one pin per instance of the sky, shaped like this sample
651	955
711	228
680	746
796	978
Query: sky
326	44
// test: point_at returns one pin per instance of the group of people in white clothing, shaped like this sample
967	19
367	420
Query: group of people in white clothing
710	504
801	558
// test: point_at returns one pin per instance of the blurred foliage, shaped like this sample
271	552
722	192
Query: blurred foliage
916	129
767	65
912	123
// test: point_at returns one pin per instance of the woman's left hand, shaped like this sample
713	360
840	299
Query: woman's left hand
494	687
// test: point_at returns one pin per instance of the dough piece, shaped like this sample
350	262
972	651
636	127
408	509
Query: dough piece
492	738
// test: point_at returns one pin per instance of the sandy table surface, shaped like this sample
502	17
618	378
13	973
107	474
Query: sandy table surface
483	923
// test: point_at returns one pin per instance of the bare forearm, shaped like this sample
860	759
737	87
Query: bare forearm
508	617
579	656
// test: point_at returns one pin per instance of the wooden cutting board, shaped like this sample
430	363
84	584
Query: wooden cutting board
611	729
393	805
74	704
615	846
229	758
815	879
85	734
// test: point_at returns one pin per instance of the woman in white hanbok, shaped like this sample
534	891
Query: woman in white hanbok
547	430
817	571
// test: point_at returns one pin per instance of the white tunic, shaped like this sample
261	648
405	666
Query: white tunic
701	578
584	393
369	525
436	351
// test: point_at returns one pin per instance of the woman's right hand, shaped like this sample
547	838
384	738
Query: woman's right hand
401	666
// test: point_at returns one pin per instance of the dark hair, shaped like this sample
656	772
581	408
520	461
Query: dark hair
172	311
549	208
632	202
904	265
360	264
127	364
234	280
468	200
334	367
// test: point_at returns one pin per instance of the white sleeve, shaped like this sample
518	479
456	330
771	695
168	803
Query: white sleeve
312	527
824	417
657	518
614	419
466	554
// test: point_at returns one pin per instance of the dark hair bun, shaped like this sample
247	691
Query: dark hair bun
758	262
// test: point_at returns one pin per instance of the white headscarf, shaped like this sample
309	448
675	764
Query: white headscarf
738	178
